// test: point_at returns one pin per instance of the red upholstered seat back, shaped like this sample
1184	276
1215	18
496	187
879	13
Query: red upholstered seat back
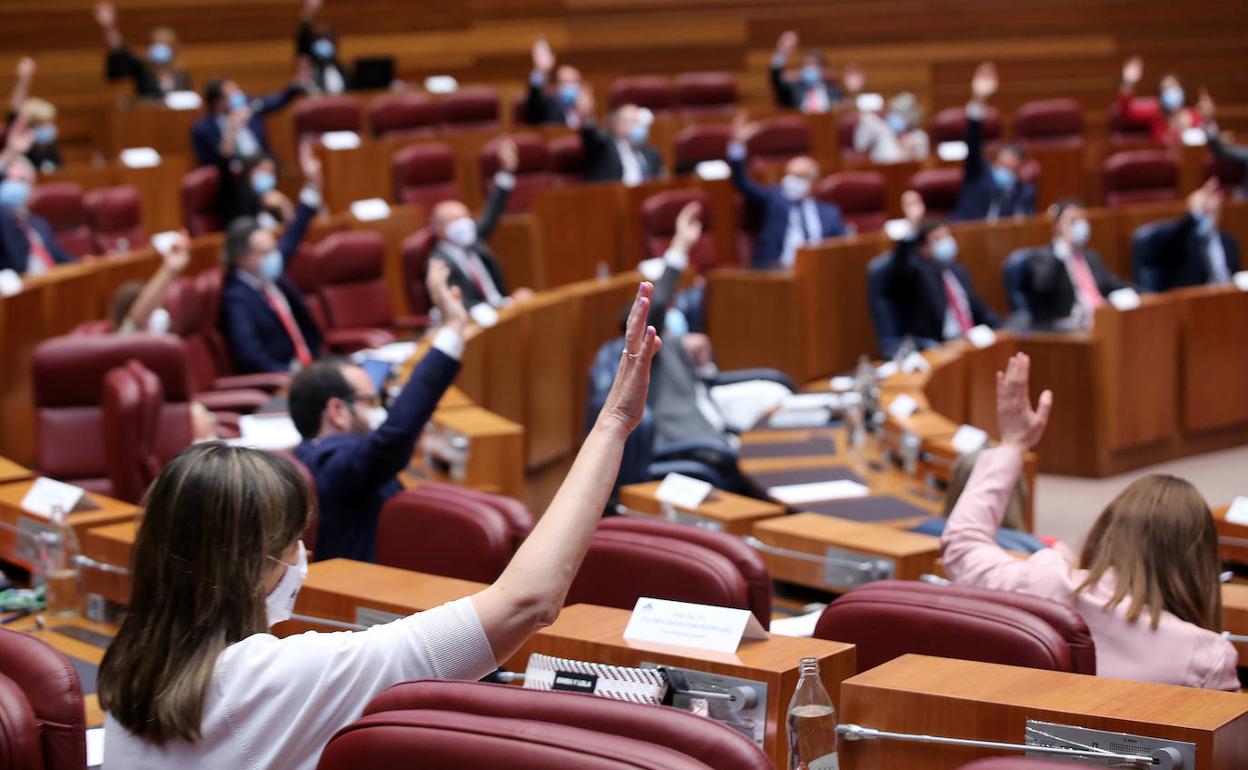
348	265
424	174
845	128
475	107
949	125
939	188
122	403
706	93
50	686
323	114
19	729
416	250
695	144
60	203
474	725
1049	123
779	139
1125	133
404	115
653	92
1140	176
892	618
859	195
116	218
199	201
658	224
533	174
567	159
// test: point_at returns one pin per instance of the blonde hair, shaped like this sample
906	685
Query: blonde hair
37	110
1015	510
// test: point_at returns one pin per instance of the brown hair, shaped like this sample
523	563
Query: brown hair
1015	510
123	299
1159	539
198	565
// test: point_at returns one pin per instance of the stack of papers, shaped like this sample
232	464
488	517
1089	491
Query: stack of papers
800	494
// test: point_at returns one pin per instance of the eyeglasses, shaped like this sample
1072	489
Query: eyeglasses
369	400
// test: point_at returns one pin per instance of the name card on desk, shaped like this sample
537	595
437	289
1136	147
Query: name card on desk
1240	280
140	157
915	362
903	406
370	210
441	84
952	152
340	140
981	336
703	626
712	170
682	491
1238	512
969	439
1124	299
183	100
10	283
46	494
819	491
483	314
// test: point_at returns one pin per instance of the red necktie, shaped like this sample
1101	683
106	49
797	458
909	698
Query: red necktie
960	312
288	322
813	103
37	249
1086	282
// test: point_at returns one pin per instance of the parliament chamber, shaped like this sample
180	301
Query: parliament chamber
606	428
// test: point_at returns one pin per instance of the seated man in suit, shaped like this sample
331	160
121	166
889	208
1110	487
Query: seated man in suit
462	242
620	152
355	466
931	291
1065	282
791	216
814	90
153	77
990	191
1192	250
27	243
264	318
232	127
319	43
556	103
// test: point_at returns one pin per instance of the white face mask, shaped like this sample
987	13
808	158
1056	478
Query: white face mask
280	603
794	187
462	232
159	322
376	416
1080	231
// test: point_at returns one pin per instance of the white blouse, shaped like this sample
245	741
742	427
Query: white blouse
275	703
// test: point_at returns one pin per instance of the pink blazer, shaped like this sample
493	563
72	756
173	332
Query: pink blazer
1176	652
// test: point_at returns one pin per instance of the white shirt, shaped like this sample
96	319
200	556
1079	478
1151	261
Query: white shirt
631	162
875	136
334	84
245	143
1216	255
803	220
473	266
273	704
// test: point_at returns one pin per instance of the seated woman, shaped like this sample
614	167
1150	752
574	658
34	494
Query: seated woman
193	679
1147	580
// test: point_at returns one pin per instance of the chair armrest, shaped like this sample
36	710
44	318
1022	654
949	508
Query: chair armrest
243	401
351	340
270	381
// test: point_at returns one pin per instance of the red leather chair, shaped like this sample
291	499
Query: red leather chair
424	174
949	125
533	174
323	114
68	381
860	196
442	529
353	290
40	687
116	218
200	212
700	94
1140	176
208	287
475	107
567	159
845	128
477	726
416	250
939	188
61	204
404	115
658	224
1124	133
695	144
123	403
1230	175
1049	123
779	139
653	92
630	558
891	618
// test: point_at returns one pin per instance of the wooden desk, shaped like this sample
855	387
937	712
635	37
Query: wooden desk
475	448
110	544
11	471
1233	546
336	589
590	633
722	511
1235	615
19	551
983	701
76	648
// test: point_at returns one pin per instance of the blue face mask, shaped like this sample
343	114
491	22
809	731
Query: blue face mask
45	133
897	122
569	93
1204	223
638	133
238	100
1003	177
1172	98
14	194
323	48
945	250
271	265
812	75
159	53
263	182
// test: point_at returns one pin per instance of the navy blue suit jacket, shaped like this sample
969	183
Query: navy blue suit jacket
15	246
355	475
1179	256
258	341
979	189
917	289
775	214
206	133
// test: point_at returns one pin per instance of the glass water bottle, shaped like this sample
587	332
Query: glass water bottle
812	723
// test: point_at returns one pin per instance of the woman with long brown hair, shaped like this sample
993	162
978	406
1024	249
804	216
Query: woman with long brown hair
1147	580
193	679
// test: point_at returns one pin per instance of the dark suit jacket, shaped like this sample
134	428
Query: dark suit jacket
917	289
206	134
355	475
979	190
1050	292
495	205
303	47
775	216
541	107
15	246
791	92
122	63
1236	154
258	341
602	157
1179	255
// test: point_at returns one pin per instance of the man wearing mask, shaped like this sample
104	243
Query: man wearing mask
27	243
990	191
814	90
1065	282
1167	116
353	447
1192	250
39	115
475	271
559	102
319	43
264	318
233	125
153	78
621	153
791	216
932	293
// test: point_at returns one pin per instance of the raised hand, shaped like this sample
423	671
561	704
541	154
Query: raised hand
21	137
913	207
1021	426
787	43
626	403
1204	197
508	155
743	129
310	164
445	298
688	227
310	8
105	14
1132	71
854	78
585	101
543	57
178	255
25	68
985	81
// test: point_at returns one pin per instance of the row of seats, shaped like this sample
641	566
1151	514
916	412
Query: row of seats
104	221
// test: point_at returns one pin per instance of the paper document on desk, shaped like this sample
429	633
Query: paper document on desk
267	431
1238	512
798	625
798	494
